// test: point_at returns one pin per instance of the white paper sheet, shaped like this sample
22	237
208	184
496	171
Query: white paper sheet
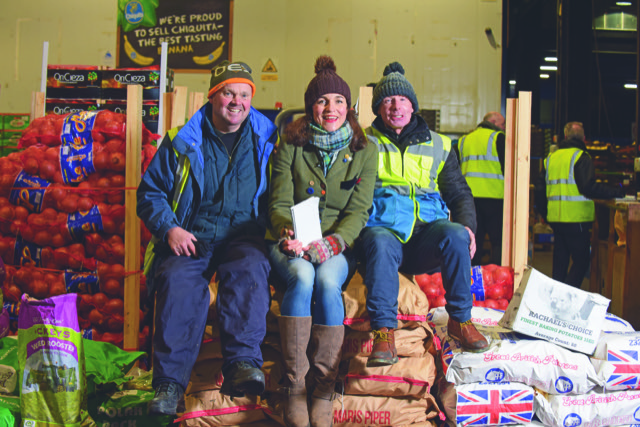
306	221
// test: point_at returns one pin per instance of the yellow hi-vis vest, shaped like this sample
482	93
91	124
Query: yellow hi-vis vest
406	180
480	164
564	201
182	173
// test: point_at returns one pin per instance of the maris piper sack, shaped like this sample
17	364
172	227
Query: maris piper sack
51	356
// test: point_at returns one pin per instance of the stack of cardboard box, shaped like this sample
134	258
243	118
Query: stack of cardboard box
77	88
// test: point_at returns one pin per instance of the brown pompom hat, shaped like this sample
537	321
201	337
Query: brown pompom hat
325	81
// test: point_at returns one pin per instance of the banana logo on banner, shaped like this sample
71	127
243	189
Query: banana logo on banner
208	59
135	56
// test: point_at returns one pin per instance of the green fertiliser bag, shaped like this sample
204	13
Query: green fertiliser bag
9	366
126	408
51	356
9	411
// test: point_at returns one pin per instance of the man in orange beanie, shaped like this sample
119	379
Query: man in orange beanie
203	197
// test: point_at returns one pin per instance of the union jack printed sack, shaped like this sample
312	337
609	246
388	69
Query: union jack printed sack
616	360
481	404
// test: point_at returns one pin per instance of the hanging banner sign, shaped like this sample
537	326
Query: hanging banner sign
197	32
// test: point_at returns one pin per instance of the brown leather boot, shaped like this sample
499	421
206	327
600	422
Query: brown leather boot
468	336
327	349
384	351
294	337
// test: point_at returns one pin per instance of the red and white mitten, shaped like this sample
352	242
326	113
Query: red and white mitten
322	249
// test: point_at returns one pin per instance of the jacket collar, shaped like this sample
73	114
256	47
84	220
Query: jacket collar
189	137
415	132
573	143
488	125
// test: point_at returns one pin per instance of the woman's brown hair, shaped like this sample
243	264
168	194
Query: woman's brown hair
298	134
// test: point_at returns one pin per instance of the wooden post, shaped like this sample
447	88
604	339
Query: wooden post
509	196
178	106
132	222
196	101
365	115
521	186
515	236
166	119
37	105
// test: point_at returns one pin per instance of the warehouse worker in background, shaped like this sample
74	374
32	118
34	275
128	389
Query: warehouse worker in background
203	198
564	192
481	155
418	184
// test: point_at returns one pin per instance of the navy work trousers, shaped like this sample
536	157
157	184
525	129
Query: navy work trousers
440	243
182	303
571	241
489	215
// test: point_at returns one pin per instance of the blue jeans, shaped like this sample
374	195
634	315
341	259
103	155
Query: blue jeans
309	285
182	303
440	243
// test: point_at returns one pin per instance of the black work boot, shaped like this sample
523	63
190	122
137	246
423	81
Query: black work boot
165	402
242	378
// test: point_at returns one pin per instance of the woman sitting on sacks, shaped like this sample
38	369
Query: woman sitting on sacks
325	154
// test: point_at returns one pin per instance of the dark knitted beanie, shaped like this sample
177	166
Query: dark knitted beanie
230	72
393	82
325	81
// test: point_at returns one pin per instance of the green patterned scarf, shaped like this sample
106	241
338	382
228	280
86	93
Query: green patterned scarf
330	143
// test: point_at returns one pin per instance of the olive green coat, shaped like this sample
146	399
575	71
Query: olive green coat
346	193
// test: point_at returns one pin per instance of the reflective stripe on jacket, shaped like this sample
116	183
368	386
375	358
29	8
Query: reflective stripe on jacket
181	177
480	164
407	183
564	201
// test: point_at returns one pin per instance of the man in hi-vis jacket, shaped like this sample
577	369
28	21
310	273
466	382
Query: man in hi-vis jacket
419	184
481	155
563	198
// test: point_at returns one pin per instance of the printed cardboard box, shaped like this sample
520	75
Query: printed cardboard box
66	106
10	138
547	309
15	122
9	142
73	82
150	111
116	80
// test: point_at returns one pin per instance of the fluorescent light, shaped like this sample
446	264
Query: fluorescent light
623	3
512	82
630	86
544	76
548	68
551	59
